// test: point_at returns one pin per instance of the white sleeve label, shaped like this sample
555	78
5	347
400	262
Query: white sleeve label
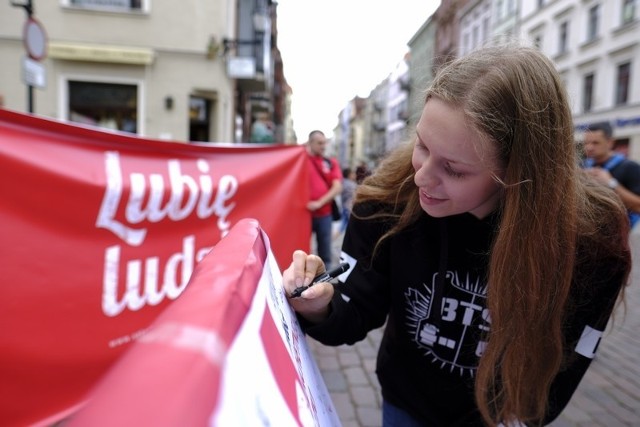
588	342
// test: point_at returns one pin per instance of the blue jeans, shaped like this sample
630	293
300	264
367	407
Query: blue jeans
345	219
322	228
392	416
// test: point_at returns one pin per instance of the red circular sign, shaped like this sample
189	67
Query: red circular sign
35	39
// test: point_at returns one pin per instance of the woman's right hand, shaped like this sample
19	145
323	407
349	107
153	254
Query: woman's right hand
313	303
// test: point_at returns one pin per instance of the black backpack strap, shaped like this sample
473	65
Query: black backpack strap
324	178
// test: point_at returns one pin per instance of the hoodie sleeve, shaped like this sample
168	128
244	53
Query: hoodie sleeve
595	299
361	301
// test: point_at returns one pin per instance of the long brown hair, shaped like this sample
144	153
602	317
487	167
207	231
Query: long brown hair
549	212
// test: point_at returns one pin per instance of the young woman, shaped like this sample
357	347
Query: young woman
494	261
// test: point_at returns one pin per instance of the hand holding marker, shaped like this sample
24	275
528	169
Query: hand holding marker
323	277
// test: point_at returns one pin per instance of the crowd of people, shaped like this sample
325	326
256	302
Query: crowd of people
491	255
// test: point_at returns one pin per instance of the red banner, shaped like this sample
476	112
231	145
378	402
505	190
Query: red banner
102	230
228	352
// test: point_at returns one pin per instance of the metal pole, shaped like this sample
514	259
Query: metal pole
30	98
28	7
30	103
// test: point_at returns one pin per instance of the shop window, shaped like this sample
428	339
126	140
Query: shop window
107	105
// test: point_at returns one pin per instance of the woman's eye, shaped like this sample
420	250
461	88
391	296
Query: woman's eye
452	172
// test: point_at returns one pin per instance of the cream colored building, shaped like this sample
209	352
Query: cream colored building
162	69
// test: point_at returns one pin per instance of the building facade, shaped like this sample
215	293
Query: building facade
398	105
595	45
421	48
505	20
187	71
476	19
375	124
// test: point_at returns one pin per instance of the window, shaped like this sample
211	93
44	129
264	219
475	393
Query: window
587	93
563	40
537	41
485	29
592	25
110	5
107	105
628	11
475	39
563	77
466	44
622	83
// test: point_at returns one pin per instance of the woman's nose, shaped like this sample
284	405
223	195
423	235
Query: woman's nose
425	175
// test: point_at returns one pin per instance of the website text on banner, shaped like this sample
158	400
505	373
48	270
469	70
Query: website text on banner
102	230
229	352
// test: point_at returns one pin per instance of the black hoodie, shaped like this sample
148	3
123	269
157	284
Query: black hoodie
429	284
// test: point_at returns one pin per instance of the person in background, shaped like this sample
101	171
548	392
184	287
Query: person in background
349	185
325	183
493	258
612	169
362	171
262	128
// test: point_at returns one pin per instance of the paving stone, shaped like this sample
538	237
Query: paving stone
561	422
365	396
369	417
626	416
356	376
335	381
344	406
328	363
626	400
573	414
349	358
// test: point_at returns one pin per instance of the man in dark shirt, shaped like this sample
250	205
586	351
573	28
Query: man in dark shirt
612	169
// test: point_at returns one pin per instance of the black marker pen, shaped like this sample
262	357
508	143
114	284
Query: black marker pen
323	277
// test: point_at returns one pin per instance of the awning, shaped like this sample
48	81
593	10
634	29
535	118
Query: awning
100	53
